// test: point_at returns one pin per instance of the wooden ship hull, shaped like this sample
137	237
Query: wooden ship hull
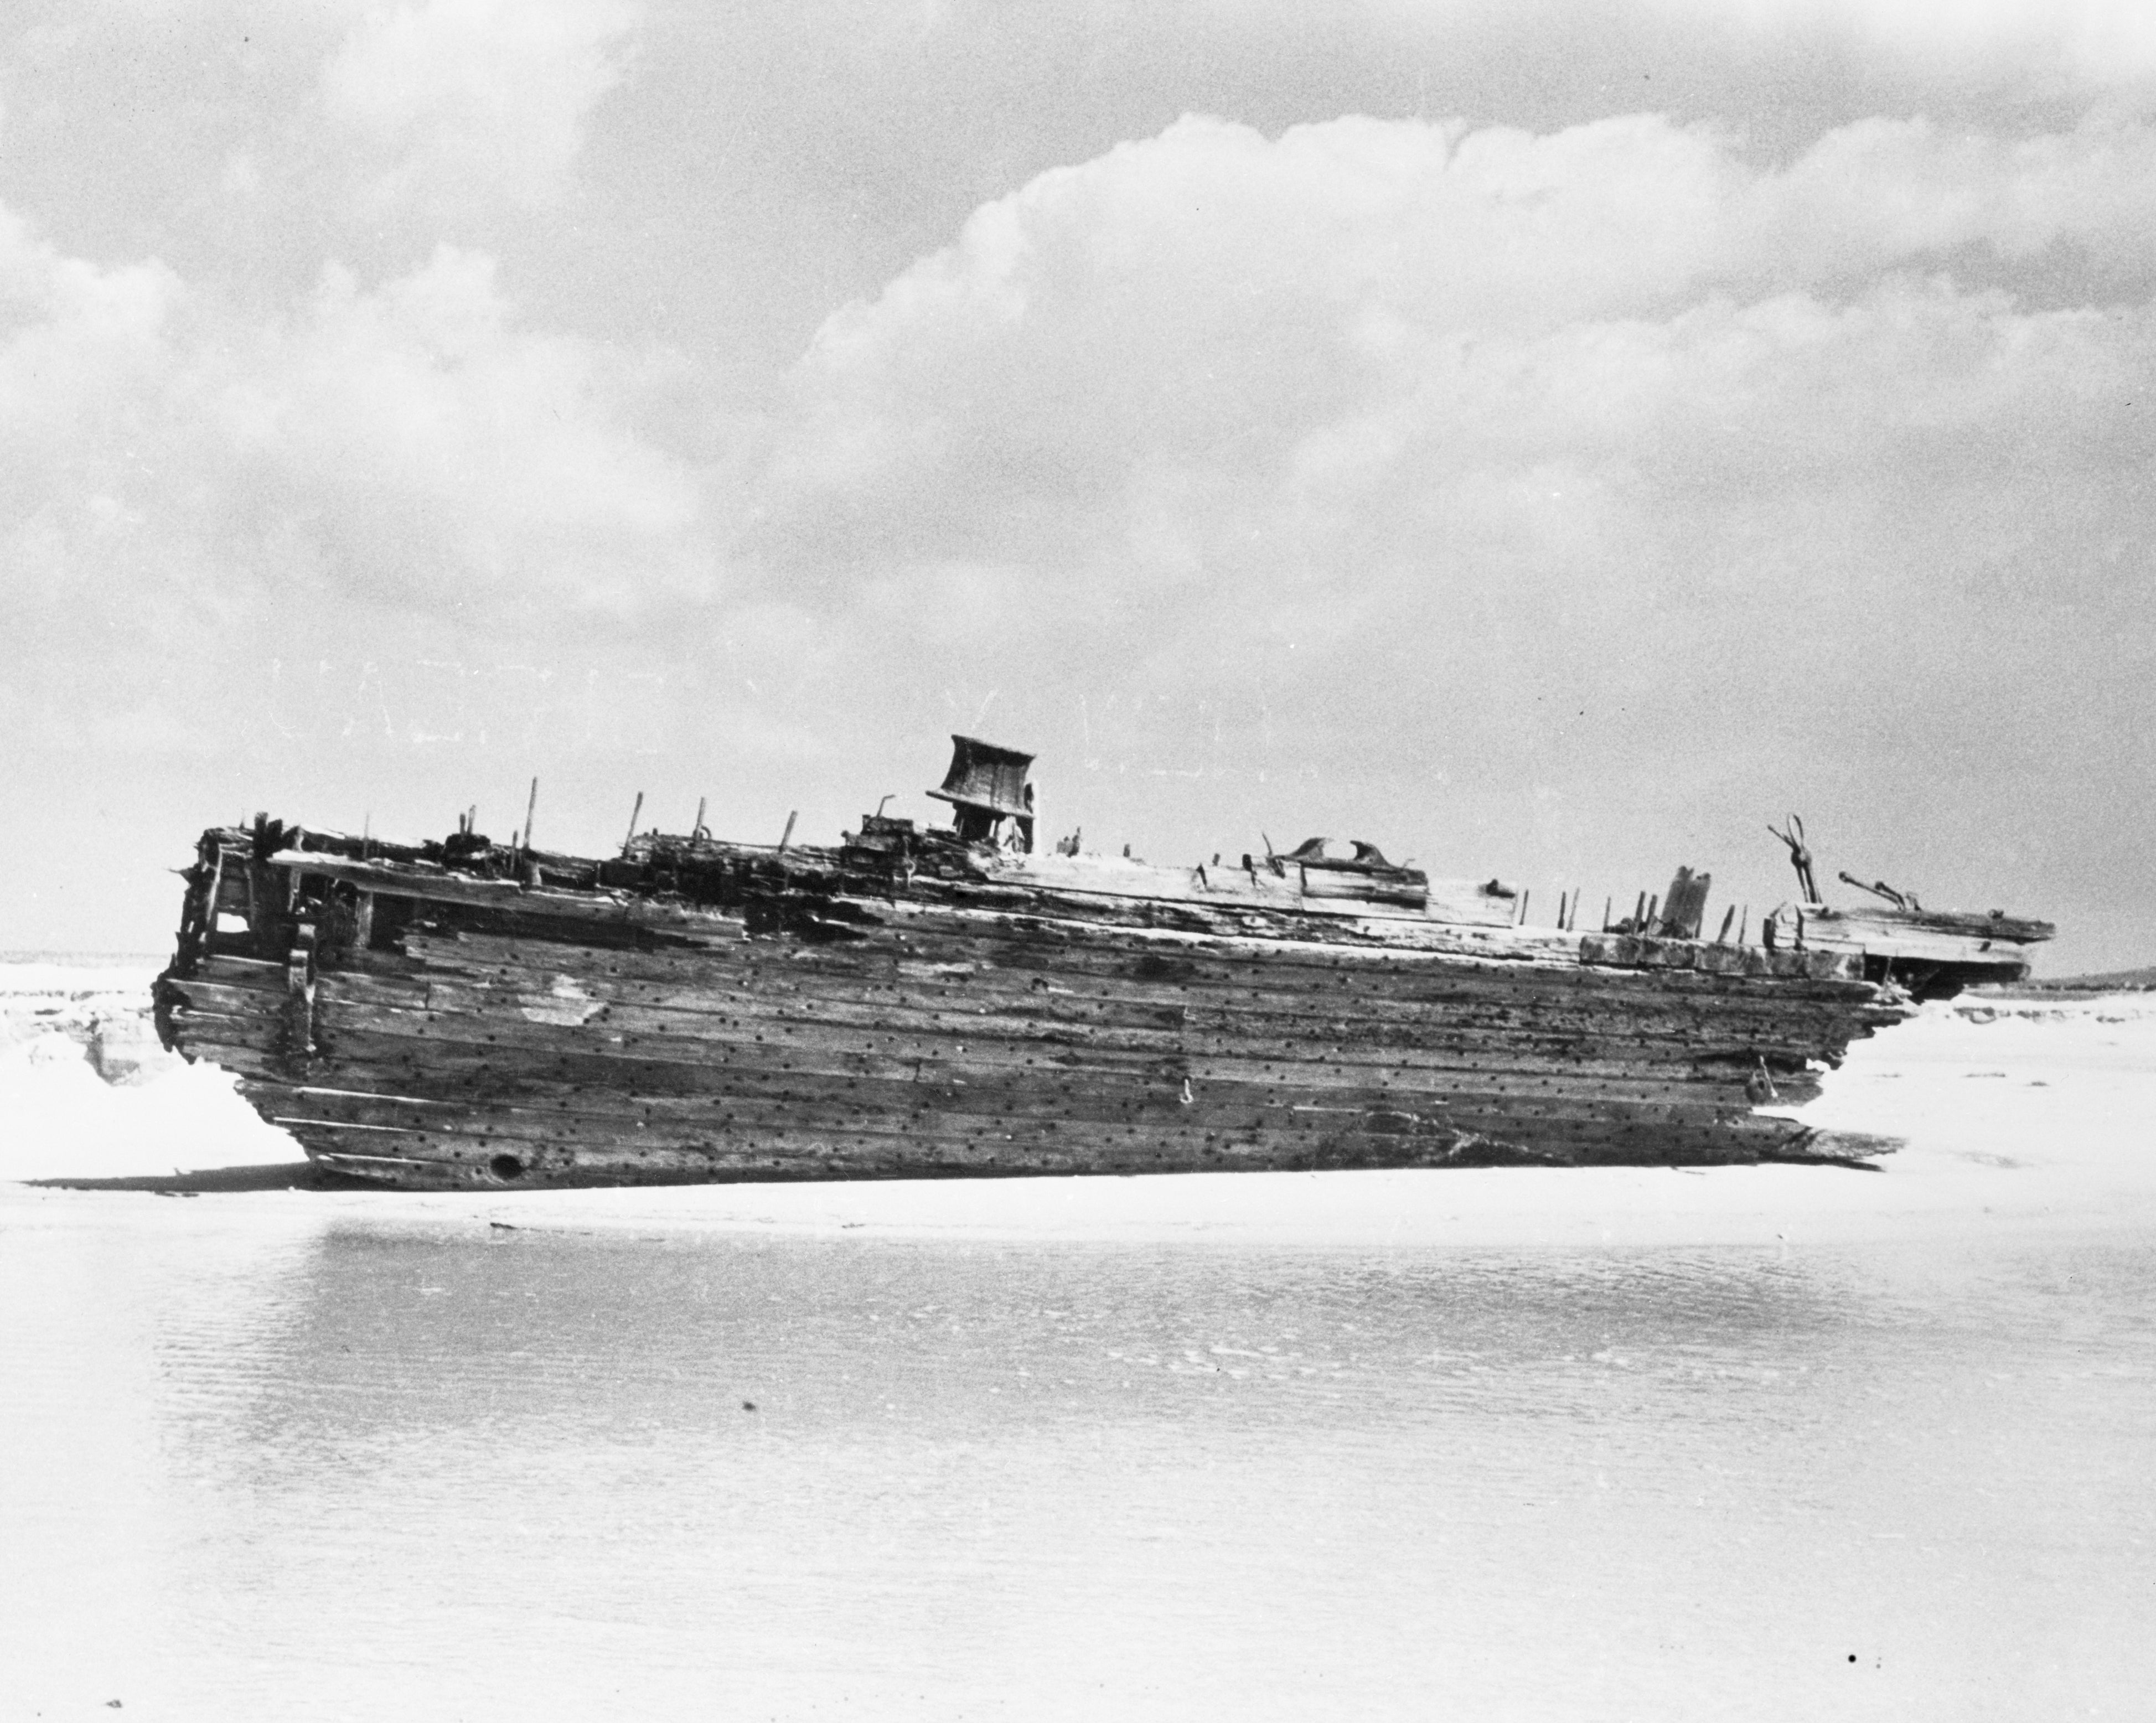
918	1004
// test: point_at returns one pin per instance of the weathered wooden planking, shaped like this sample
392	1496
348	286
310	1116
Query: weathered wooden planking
1218	1094
207	998
444	1162
1159	970
778	985
780	988
1162	909
1540	1029
1230	1029
985	1021
1573	1056
487	1080
915	1108
768	1123
713	1040
1869	919
539	999
493	1083
1023	943
1634	951
570	916
1156	1028
1866	937
1304	924
810	1046
1226	884
434	1158
488	1074
1037	1146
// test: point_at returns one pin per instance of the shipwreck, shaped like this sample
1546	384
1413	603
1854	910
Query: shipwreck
921	1001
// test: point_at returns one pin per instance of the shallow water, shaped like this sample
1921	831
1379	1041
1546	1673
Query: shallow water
262	1457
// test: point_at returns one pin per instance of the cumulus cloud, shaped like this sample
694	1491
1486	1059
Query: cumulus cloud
472	102
2034	46
178	479
1406	448
1212	304
1620	468
450	453
2099	41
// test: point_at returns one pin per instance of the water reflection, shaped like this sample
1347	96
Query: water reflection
609	1474
381	1337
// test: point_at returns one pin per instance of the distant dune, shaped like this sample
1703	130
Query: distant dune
2116	981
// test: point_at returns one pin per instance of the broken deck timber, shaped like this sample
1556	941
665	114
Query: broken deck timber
916	1004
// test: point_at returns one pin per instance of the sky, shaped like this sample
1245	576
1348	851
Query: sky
1546	440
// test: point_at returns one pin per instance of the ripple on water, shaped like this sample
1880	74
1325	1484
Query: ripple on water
528	1469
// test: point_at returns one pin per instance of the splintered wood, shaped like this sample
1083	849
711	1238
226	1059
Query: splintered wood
725	1011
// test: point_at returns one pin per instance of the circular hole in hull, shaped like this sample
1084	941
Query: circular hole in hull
506	1167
